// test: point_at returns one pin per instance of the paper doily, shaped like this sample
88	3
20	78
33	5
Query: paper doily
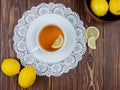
26	58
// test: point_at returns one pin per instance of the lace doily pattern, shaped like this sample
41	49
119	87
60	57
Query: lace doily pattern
26	58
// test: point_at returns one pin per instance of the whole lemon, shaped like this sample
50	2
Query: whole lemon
114	7
27	77
10	67
99	7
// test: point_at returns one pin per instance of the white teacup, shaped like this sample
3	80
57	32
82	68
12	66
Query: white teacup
39	47
32	38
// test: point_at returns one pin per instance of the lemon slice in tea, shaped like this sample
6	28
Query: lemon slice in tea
58	42
91	42
92	31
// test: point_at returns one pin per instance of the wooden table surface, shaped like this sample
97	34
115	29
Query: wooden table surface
98	70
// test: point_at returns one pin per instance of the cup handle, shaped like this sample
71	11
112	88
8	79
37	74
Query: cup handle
34	49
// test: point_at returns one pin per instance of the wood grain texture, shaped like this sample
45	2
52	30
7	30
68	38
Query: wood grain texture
112	56
98	70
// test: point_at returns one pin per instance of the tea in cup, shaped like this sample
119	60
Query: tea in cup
50	38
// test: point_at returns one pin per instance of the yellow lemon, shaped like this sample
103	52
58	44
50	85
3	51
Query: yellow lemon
114	7
10	67
58	42
27	77
91	42
92	31
99	7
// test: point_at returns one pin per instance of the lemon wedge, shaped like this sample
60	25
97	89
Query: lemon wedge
92	31
58	42
92	42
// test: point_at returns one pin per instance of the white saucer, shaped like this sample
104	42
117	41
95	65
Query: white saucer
38	24
61	61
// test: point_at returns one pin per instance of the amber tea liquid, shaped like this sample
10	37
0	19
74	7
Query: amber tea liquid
48	35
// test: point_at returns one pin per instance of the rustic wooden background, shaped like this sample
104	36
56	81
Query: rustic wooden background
98	70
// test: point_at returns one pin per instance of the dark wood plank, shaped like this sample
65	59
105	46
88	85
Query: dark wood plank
112	56
90	69
10	12
67	81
